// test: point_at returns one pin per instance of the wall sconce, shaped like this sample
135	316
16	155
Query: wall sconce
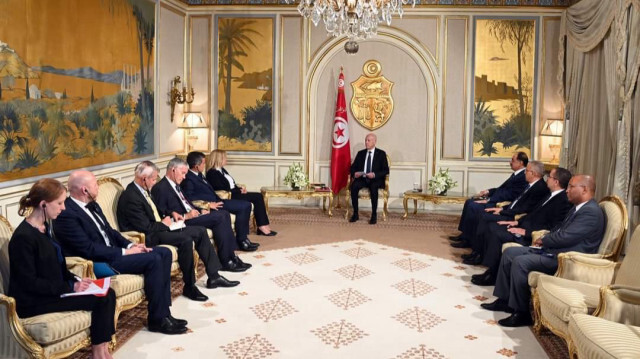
553	127
179	97
191	120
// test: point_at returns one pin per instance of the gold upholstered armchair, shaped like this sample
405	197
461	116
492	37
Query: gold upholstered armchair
613	331
383	193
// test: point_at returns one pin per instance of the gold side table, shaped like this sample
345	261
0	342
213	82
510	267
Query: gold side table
433	198
287	192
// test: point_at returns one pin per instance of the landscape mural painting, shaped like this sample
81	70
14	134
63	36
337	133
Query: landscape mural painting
504	66
76	84
245	83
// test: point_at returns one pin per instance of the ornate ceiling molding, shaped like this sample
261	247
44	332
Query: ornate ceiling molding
419	3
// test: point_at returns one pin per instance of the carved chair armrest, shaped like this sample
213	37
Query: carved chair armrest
518	216
577	266
13	336
135	237
81	267
535	235
620	304
223	194
503	204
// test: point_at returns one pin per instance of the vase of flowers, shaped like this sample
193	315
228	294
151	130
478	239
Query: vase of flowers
441	182
296	178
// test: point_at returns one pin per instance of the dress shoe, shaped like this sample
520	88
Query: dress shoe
241	263
475	260
472	254
247	246
354	218
373	220
462	244
233	266
221	282
253	243
484	279
457	238
193	293
270	234
517	319
180	322
166	326
499	305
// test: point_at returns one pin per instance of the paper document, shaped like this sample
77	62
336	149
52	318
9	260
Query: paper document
98	287
177	225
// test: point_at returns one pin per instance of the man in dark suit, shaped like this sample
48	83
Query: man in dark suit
508	191
547	215
196	188
581	231
535	192
170	201
137	212
84	231
369	170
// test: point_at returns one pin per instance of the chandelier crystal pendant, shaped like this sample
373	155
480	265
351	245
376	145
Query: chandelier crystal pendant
356	19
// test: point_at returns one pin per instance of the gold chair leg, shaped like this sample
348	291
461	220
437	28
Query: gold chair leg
385	210
537	315
347	204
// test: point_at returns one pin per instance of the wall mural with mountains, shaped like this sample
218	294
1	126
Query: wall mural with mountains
76	84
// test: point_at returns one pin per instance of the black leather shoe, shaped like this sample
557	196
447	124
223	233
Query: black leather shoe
373	220
270	234
457	238
484	279
354	218
232	266
166	326
247	246
475	260
472	254
517	319
462	244
180	322
221	282
193	293
253	243
241	263
499	305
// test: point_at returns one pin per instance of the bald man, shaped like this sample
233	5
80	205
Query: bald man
581	231
84	231
368	170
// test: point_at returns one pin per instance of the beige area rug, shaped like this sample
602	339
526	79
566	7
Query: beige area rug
351	299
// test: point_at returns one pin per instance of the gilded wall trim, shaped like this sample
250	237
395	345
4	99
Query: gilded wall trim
419	3
281	84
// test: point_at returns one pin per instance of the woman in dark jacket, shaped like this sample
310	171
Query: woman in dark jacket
38	270
220	179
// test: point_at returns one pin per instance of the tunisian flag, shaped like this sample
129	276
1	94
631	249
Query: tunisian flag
340	151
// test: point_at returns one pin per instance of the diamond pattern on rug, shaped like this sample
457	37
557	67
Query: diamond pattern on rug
421	352
419	319
339	333
413	287
358	252
354	272
249	347
348	298
273	310
303	258
507	352
410	264
291	280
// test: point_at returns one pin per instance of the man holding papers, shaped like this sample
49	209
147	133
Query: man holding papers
137	212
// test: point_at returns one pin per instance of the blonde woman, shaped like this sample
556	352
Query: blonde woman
220	179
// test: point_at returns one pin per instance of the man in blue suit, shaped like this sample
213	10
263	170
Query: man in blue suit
196	188
84	231
581	231
474	207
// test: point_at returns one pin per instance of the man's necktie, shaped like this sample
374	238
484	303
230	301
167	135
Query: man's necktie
367	166
520	196
186	204
93	209
153	206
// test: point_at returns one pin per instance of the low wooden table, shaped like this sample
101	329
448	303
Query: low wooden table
287	192
434	198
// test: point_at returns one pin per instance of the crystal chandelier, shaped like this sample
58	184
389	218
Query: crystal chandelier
356	19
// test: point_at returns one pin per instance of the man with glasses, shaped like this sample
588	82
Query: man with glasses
580	231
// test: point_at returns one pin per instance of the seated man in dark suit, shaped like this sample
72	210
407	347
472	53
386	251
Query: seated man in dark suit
84	231
508	191
581	231
369	170
137	212
547	215
168	197
535	192
196	188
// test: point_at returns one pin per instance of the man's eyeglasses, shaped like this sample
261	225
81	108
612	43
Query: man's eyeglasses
555	178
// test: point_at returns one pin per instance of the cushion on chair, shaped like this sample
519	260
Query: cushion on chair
615	226
126	283
597	338
561	297
108	196
50	328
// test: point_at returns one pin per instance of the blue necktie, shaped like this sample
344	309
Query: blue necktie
367	166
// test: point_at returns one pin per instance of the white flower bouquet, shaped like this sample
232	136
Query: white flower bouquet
441	182
296	177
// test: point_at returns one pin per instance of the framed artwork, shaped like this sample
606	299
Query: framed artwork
504	89
245	53
76	84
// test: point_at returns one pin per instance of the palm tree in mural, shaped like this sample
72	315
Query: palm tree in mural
233	42
518	33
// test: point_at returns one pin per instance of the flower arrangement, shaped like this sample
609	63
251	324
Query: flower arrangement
296	177
441	182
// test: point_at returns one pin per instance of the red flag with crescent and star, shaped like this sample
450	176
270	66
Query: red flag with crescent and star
340	151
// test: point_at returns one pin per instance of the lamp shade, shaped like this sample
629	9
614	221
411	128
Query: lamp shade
552	127
193	120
